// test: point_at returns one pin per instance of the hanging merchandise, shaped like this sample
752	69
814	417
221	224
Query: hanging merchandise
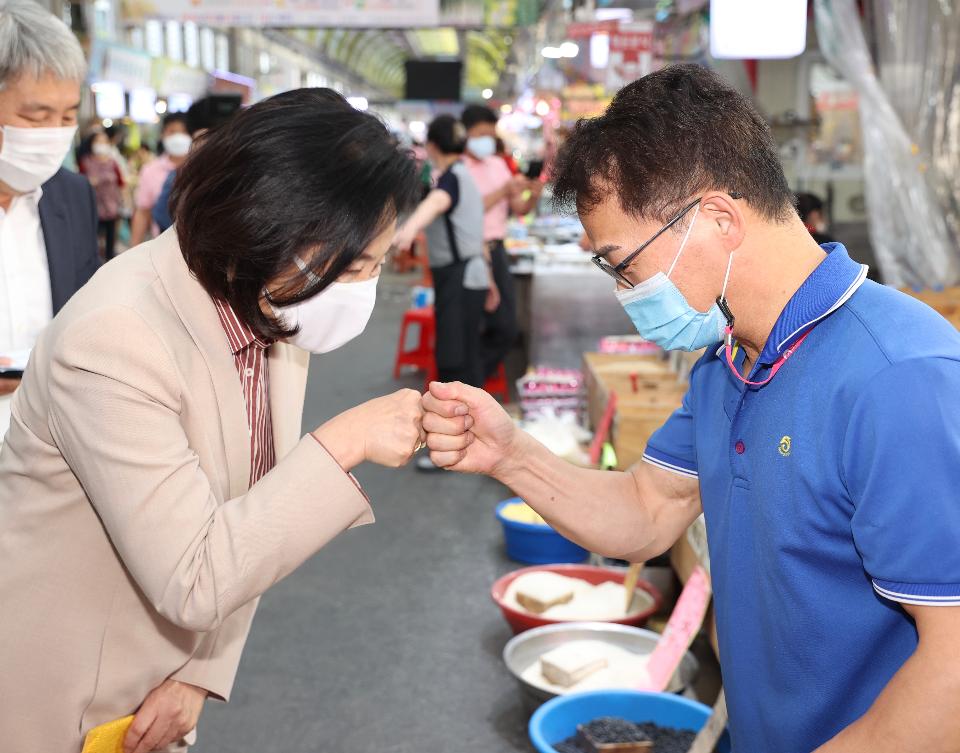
908	195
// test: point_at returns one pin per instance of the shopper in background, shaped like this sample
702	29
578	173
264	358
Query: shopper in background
154	482
810	209
204	114
175	140
828	481
48	215
99	165
452	217
502	192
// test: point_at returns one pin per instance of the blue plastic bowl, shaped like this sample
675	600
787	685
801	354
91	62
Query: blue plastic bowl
537	544
557	720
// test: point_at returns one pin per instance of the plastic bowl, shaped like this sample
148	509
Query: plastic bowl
557	720
521	620
536	544
523	650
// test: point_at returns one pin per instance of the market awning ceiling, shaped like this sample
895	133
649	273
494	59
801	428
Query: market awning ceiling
480	32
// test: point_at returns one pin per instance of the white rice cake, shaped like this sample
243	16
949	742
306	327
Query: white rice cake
539	591
573	662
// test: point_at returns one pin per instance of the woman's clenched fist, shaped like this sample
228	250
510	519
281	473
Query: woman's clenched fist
387	431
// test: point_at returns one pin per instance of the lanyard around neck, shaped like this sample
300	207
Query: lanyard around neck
728	351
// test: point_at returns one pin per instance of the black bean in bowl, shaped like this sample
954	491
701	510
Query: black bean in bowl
611	729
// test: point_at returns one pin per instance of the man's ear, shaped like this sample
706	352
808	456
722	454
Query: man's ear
721	208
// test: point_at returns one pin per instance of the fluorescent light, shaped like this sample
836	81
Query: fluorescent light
486	93
542	108
418	128
143	105
161	106
599	50
506	109
757	29
554	53
569	49
358	103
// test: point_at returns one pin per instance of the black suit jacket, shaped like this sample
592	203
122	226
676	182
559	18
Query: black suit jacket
68	216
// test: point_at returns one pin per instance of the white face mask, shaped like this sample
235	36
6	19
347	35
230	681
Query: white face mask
29	157
482	147
332	318
101	150
177	144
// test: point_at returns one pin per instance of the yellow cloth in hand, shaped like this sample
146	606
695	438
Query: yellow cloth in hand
107	738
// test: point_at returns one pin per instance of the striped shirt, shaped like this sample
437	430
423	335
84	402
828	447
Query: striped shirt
250	358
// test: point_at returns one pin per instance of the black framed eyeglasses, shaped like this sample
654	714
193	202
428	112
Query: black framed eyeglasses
616	272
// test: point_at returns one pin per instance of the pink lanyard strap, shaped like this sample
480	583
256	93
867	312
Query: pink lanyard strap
773	369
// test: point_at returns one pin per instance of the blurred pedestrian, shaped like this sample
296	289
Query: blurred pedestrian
502	193
203	115
175	141
810	207
97	162
452	217
48	215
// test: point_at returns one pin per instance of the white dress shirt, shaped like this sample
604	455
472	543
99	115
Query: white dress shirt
26	306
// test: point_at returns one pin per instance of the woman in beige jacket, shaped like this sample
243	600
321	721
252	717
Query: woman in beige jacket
153	482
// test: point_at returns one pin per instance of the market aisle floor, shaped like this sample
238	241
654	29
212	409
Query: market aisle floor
386	641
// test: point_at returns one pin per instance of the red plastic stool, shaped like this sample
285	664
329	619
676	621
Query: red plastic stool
497	385
421	357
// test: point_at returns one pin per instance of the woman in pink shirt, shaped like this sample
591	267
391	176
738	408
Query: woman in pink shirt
502	193
176	141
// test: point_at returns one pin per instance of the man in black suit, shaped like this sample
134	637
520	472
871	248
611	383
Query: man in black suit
48	216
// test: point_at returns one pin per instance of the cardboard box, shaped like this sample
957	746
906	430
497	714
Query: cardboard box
647	390
604	373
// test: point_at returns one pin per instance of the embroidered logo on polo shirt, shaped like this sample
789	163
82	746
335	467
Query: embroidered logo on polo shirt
784	446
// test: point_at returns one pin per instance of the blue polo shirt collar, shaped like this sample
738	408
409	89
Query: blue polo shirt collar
827	288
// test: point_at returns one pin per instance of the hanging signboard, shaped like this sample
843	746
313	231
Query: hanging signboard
631	54
130	68
327	13
586	29
170	77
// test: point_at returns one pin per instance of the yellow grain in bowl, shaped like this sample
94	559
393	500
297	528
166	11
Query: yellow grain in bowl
521	512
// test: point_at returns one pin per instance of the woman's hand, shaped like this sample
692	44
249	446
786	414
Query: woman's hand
387	431
168	713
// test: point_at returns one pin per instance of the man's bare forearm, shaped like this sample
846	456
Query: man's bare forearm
603	511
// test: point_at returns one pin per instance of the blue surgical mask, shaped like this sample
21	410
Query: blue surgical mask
663	316
482	147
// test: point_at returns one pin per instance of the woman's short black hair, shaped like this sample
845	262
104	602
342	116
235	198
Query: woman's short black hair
447	134
475	114
299	174
667	137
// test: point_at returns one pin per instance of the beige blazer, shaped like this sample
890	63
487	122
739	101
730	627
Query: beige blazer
131	548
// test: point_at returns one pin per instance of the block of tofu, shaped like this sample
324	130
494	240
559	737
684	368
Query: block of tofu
538	592
572	662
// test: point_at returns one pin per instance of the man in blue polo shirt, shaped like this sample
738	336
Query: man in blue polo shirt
820	434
